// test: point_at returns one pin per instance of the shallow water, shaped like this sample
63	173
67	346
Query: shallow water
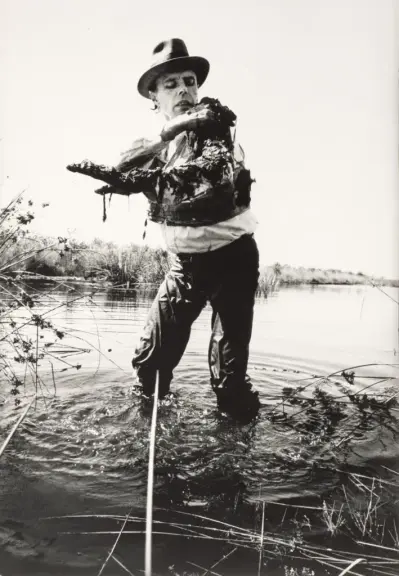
83	450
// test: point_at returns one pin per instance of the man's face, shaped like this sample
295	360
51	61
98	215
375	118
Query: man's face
176	92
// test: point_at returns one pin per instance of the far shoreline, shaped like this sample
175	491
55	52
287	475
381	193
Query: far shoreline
131	265
287	276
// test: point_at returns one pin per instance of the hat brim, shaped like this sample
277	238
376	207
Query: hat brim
197	64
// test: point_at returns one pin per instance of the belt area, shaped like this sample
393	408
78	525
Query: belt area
190	256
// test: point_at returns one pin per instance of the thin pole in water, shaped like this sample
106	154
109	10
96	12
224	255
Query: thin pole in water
261	540
150	482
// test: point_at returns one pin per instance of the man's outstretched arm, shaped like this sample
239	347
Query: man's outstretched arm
118	178
144	149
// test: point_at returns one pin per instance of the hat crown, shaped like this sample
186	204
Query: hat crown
168	50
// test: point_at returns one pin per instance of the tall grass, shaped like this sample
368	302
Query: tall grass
127	265
131	265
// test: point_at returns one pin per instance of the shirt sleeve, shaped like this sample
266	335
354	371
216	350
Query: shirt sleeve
239	155
137	150
239	159
242	177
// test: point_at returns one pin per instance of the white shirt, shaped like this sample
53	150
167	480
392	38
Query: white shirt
188	239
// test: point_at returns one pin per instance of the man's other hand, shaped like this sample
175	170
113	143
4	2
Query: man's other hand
190	121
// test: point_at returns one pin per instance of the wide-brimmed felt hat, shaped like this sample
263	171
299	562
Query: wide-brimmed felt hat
172	56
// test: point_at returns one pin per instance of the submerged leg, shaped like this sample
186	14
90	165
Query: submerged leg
233	304
167	331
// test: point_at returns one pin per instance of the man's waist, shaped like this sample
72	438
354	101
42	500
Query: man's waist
225	248
202	239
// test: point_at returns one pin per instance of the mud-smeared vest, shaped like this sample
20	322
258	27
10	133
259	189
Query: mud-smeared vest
206	203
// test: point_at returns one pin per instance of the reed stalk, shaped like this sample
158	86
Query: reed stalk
114	546
122	565
209	570
352	565
14	429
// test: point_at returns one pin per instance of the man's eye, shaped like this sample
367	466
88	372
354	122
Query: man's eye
189	81
170	84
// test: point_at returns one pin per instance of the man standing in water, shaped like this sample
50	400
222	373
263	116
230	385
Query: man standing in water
216	259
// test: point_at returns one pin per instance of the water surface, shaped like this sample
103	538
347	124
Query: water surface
83	450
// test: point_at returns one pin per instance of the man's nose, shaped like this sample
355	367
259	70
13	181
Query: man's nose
182	89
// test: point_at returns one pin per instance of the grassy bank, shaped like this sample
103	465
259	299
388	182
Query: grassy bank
286	274
98	260
132	265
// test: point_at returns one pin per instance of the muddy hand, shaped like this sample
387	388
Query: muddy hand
110	175
189	121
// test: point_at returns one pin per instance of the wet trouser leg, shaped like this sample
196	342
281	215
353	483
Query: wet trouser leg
167	330
233	302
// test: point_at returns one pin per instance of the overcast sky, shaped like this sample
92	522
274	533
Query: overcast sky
314	84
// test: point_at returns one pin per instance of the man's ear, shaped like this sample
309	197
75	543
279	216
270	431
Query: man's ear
153	97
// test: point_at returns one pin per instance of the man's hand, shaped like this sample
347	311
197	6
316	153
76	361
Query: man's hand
190	121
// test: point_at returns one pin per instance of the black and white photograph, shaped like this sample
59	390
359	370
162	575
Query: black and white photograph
199	288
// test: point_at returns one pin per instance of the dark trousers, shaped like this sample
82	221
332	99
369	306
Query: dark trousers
227	278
